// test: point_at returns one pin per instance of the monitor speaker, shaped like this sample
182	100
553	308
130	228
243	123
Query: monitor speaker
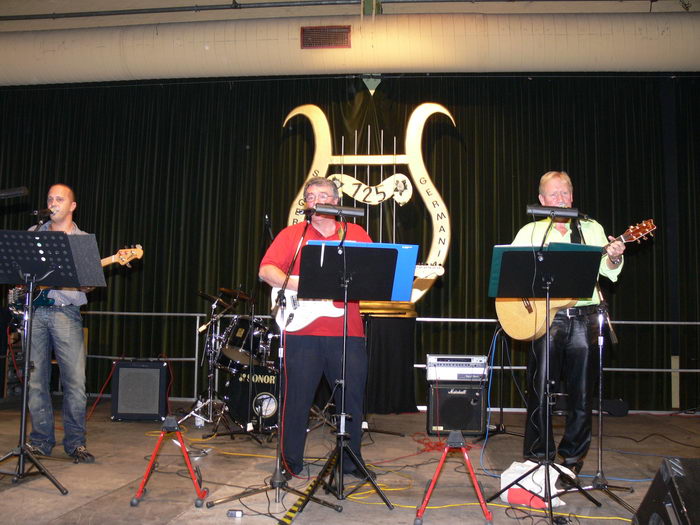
139	390
457	406
672	498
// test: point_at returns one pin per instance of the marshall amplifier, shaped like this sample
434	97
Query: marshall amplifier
457	406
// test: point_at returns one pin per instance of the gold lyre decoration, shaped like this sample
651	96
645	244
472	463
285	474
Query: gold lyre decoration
398	186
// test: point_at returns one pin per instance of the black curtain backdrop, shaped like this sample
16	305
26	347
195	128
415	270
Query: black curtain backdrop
189	170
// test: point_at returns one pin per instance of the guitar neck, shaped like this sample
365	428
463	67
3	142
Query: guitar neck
112	259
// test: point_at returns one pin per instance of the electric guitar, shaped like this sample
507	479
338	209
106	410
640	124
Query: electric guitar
299	313
123	257
524	318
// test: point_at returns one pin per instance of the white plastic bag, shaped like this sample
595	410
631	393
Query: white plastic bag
522	492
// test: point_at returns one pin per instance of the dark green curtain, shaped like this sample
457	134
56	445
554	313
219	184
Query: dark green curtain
189	170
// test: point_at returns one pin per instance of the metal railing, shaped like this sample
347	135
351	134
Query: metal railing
199	318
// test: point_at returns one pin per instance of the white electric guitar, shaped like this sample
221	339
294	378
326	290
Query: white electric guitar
299	313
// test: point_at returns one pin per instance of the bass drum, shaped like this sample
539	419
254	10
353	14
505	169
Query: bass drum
262	405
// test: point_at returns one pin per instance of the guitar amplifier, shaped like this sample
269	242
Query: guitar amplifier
139	390
457	406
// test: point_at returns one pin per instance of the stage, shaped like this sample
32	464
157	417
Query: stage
100	493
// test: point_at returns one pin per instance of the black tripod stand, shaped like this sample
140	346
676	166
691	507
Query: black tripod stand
327	271
562	271
48	252
22	452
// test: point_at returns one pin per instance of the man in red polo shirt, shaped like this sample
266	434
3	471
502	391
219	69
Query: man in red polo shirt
317	348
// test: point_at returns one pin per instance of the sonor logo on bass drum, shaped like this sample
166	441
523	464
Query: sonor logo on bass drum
258	378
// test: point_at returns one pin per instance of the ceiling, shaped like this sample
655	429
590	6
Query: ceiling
38	15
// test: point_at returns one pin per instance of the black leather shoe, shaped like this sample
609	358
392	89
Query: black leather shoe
567	481
574	467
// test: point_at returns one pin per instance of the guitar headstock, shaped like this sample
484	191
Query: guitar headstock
639	231
126	255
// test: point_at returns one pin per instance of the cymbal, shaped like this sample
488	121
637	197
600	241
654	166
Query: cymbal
236	294
218	300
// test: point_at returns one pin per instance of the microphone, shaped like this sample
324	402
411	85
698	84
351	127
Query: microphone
554	211
42	213
341	211
22	191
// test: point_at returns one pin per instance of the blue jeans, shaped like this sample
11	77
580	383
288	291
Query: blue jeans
61	329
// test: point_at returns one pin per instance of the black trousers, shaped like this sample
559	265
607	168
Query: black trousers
307	358
573	359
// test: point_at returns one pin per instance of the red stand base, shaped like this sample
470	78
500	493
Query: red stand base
169	426
455	441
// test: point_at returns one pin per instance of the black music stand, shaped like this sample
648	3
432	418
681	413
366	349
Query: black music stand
558	271
52	259
354	272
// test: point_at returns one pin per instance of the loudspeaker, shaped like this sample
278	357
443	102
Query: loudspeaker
139	390
672	498
457	406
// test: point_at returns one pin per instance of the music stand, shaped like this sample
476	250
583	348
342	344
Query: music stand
560	270
54	259
353	272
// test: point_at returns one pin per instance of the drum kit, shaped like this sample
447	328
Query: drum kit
242	355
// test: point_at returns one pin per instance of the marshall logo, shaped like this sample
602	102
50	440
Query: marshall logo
457	391
400	187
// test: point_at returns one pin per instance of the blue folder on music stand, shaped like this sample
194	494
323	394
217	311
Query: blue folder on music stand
379	271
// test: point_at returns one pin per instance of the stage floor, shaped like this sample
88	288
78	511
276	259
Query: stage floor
100	493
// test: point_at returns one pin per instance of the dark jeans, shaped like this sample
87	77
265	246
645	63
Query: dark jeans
307	359
573	359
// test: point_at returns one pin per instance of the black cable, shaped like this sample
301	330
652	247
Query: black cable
652	435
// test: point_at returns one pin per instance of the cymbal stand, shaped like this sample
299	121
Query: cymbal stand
207	409
599	481
321	415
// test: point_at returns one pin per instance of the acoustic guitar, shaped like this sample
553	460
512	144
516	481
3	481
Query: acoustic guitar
524	318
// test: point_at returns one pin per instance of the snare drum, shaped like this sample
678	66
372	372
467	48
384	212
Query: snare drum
264	400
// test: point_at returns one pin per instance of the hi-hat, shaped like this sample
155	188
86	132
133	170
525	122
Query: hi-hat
217	300
236	294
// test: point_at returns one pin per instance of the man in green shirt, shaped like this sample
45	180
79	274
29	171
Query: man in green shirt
573	333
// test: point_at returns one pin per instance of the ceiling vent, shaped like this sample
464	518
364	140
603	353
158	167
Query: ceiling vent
325	37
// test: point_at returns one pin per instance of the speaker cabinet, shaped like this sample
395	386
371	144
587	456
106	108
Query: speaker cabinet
672	498
139	390
457	406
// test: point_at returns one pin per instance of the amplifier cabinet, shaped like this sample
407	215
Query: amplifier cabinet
139	390
457	405
672	498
